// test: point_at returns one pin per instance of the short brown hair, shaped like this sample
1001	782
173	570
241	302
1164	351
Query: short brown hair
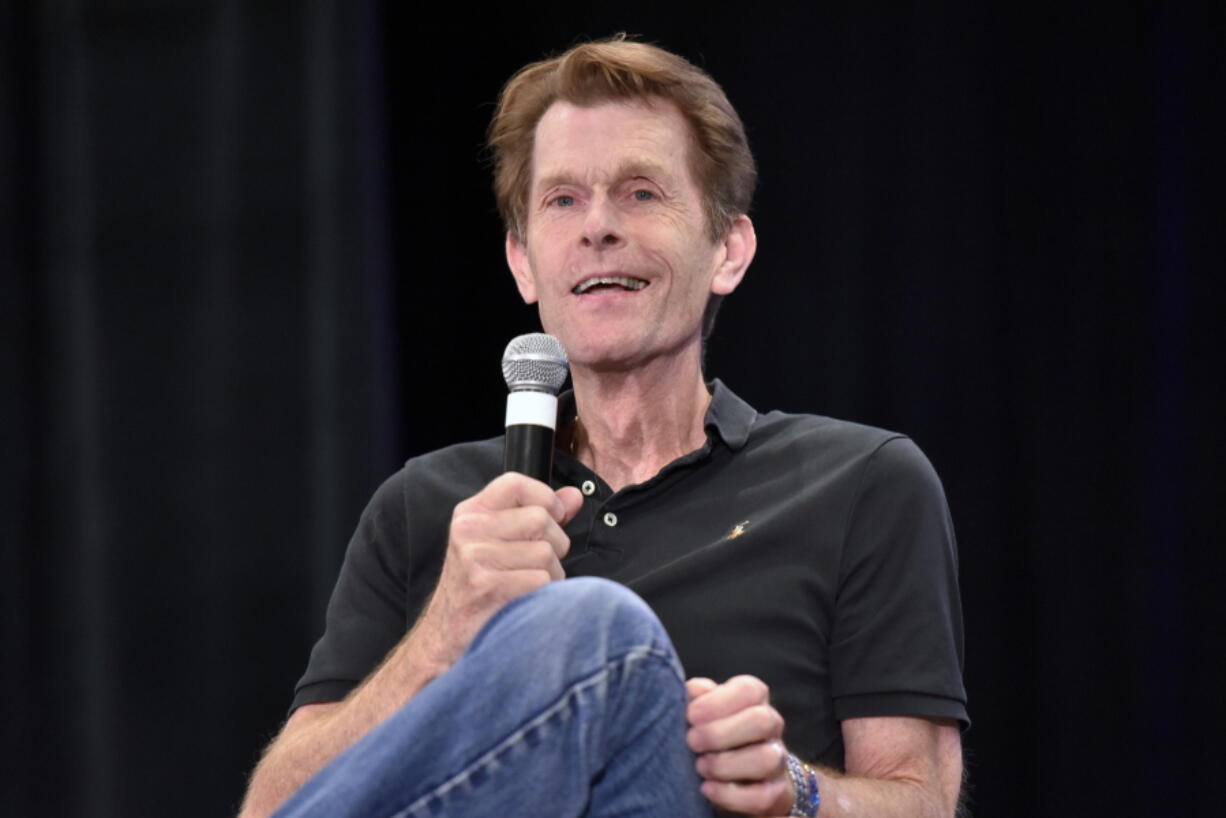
613	70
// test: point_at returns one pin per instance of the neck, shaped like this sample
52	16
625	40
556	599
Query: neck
631	424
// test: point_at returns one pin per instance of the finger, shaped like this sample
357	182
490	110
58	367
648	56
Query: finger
515	555
520	523
773	797
732	696
572	502
515	584
513	489
755	762
753	724
538	556
698	686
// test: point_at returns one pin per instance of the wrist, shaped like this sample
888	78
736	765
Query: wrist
806	797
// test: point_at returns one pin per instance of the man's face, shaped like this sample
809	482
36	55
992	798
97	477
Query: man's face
616	252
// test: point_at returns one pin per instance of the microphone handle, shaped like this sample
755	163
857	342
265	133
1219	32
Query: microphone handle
529	450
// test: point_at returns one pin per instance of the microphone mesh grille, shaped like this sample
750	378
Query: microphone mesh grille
534	361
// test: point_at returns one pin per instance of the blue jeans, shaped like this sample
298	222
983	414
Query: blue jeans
569	702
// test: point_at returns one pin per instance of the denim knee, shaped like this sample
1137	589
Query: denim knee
586	615
588	597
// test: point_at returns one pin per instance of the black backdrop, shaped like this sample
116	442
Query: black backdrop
248	248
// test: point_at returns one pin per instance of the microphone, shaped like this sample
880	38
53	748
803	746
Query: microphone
534	367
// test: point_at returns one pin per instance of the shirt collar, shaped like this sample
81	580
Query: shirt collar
728	415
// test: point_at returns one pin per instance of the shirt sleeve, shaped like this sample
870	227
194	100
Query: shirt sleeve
896	647
366	613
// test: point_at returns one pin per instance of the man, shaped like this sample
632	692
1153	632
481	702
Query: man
803	567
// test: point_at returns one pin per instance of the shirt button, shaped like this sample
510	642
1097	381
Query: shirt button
589	488
610	519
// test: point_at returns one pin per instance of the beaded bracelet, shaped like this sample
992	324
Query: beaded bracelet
806	799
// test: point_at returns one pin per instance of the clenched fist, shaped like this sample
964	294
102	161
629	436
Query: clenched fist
504	542
738	737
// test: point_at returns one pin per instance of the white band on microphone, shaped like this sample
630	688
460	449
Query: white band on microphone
532	409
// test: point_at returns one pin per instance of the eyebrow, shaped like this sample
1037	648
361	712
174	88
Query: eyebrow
628	170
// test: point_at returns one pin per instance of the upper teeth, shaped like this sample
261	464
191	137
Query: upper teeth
621	281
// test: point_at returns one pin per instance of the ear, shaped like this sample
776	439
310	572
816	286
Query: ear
738	248
517	260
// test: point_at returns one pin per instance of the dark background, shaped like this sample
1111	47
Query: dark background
247	247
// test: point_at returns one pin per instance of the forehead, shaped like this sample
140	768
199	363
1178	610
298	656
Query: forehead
593	141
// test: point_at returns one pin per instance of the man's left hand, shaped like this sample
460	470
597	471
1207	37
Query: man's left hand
738	737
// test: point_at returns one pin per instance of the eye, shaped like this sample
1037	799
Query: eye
562	201
643	195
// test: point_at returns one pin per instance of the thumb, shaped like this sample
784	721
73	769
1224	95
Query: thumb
571	501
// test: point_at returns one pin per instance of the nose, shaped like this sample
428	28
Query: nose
602	227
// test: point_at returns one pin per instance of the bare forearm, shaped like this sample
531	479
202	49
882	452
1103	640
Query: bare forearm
311	740
896	767
503	542
846	796
292	759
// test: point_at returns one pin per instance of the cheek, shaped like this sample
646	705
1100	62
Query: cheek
549	258
695	265
660	240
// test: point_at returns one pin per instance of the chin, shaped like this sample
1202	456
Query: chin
620	358
583	345
593	354
609	348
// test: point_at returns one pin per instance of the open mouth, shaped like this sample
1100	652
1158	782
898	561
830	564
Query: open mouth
608	283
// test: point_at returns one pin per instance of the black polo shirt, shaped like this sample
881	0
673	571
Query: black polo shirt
813	553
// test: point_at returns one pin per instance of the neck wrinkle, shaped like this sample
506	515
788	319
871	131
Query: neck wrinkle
638	421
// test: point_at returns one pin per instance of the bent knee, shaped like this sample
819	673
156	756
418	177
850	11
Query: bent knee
590	608
602	616
593	596
583	623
